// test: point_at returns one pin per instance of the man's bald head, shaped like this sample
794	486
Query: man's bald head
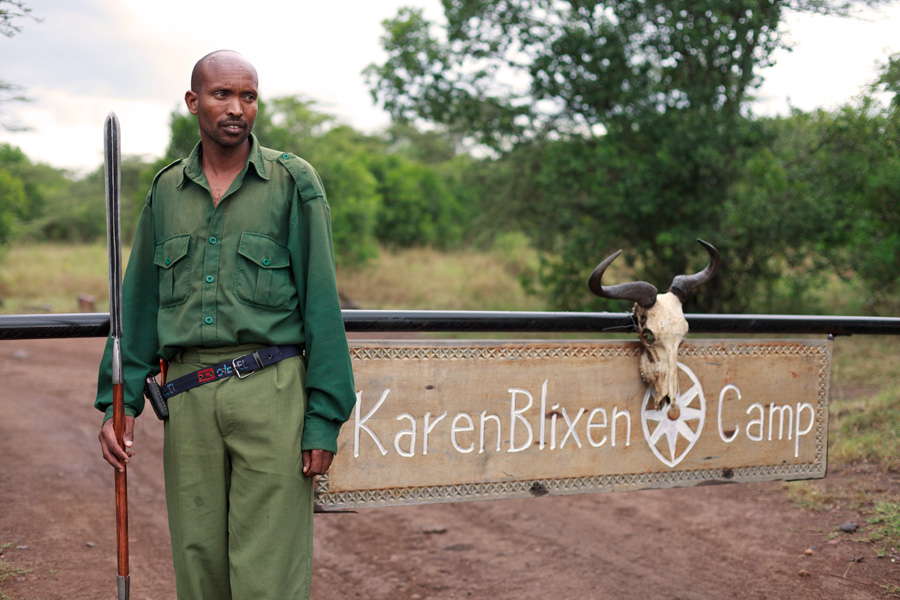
224	96
214	58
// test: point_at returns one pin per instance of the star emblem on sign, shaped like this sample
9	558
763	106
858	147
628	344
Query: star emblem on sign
673	430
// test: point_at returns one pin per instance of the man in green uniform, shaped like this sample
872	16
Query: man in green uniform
231	276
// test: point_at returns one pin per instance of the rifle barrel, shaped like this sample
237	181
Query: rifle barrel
112	171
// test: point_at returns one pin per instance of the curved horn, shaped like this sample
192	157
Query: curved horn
683	284
638	291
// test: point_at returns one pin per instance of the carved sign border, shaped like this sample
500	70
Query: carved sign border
494	350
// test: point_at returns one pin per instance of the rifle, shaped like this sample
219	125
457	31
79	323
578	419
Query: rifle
112	171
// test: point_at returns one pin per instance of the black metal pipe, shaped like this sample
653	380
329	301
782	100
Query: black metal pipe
484	321
795	324
73	325
14	327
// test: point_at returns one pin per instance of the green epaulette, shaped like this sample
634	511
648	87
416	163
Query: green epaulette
160	174
307	180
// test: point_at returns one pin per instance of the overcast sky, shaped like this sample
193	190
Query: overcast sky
134	57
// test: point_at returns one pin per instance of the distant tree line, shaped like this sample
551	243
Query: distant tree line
402	188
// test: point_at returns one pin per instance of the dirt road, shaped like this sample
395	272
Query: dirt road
57	531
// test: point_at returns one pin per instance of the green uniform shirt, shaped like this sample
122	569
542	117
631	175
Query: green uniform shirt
257	268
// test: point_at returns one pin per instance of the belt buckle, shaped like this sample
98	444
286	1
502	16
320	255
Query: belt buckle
238	372
256	359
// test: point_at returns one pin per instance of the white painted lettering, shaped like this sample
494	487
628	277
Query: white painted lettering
361	423
411	432
615	417
554	413
592	425
455	428
515	415
570	426
781	410
600	425
484	418
758	422
543	413
426	429
737	428
812	420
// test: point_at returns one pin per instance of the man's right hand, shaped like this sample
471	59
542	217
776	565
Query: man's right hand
112	452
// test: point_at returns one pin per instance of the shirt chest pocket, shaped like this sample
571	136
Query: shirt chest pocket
173	259
263	278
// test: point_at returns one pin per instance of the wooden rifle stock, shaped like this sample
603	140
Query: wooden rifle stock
121	483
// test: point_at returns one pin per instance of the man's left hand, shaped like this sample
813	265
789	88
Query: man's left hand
316	462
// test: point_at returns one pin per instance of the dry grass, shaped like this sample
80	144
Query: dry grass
867	430
865	401
865	361
426	279
49	277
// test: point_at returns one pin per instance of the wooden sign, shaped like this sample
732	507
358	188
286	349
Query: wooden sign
453	421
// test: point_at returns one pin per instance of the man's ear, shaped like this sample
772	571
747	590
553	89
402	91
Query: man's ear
191	99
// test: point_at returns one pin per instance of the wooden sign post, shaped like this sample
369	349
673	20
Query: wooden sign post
454	421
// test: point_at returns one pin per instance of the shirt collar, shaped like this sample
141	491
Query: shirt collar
193	169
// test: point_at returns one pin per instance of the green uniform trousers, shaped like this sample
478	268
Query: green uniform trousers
240	508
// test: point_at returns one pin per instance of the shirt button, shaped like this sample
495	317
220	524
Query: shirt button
209	278
285	156
266	262
213	240
168	261
209	320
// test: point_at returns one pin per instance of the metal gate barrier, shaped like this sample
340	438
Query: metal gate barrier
37	326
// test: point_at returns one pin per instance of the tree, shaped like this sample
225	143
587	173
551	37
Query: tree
417	207
11	12
13	203
820	197
506	70
23	190
55	205
856	165
626	122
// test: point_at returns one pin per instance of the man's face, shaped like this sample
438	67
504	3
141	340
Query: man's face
226	101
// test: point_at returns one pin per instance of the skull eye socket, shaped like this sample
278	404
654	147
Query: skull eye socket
648	337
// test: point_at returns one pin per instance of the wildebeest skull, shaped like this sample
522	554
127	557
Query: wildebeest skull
660	321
